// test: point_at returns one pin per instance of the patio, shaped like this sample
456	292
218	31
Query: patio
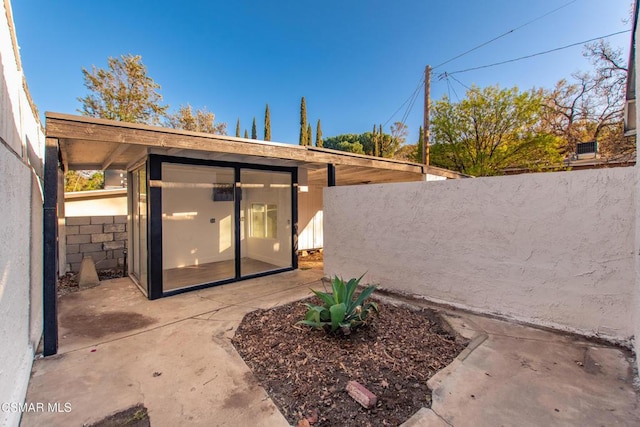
174	356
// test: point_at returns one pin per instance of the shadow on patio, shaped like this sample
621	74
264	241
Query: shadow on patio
175	357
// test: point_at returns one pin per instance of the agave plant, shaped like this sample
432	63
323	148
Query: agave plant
342	309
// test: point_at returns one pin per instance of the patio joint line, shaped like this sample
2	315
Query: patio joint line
443	420
523	338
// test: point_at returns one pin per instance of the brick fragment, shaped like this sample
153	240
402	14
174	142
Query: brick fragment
360	394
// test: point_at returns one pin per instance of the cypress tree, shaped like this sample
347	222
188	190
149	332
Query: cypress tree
238	128
254	130
318	135
246	134
380	142
267	124
375	140
309	134
418	156
303	122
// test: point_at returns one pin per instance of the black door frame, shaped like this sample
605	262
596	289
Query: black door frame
154	224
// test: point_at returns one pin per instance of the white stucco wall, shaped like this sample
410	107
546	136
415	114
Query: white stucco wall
552	249
20	229
95	203
636	300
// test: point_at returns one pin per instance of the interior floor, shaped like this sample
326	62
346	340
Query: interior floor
192	275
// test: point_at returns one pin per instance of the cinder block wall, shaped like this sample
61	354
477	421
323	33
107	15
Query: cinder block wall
103	238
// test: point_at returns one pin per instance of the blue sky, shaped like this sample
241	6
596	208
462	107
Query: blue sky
355	61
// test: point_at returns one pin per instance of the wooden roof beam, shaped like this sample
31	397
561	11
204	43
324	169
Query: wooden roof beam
114	155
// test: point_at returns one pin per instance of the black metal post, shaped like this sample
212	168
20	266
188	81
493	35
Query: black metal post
331	175
50	248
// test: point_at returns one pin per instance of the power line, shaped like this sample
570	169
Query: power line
413	94
411	104
536	54
504	34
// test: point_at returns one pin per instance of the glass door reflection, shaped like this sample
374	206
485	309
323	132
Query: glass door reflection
198	238
265	221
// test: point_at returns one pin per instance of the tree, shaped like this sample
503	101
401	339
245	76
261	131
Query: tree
418	153
318	135
349	142
254	130
122	92
83	180
246	134
376	142
591	107
303	123
406	152
267	124
309	134
389	146
199	121
238	128
490	130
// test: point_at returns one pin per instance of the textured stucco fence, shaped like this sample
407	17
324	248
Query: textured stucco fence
103	238
554	249
21	225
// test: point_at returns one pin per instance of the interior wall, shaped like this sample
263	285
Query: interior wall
310	213
553	249
273	251
188	235
21	157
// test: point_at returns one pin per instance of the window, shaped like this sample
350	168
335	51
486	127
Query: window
264	221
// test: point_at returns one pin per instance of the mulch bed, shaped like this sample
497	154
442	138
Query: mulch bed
305	370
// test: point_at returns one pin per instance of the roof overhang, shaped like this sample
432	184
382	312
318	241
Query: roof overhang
88	143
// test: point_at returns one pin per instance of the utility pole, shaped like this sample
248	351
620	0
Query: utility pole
427	114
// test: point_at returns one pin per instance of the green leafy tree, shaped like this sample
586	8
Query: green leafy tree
83	181
303	123
309	134
267	124
246	134
318	134
199	120
406	152
349	142
122	92
490	130
238	128
254	130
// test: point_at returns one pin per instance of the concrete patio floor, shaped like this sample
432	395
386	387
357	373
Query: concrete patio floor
174	356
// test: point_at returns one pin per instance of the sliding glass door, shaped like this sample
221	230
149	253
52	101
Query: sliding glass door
211	223
139	227
198	238
266	225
